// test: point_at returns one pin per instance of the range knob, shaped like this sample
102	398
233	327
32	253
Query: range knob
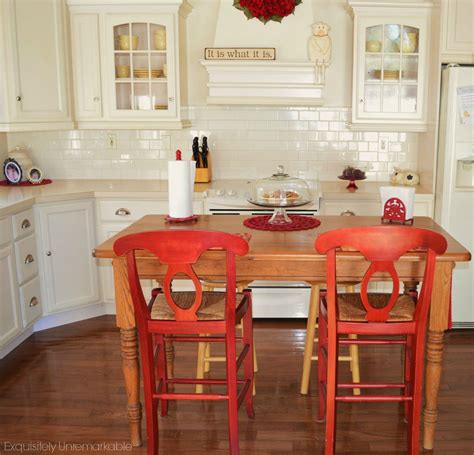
231	192
219	192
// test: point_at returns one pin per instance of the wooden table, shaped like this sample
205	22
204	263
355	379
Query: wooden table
283	256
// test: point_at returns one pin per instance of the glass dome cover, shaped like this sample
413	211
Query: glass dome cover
280	190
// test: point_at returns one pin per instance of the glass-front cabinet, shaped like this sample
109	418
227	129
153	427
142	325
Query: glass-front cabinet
128	68
390	67
139	65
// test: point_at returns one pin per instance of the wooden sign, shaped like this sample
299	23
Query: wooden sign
239	53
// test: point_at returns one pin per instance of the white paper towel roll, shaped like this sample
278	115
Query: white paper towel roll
181	176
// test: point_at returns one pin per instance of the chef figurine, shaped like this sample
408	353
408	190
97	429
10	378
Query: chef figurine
319	50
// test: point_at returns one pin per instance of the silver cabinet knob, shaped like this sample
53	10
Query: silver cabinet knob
25	224
29	259
18	98
96	98
33	302
48	253
171	99
123	212
347	213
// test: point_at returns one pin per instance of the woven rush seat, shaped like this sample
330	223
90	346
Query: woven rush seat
351	308
212	307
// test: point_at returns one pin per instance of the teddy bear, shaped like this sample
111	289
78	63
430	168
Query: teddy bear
404	177
319	49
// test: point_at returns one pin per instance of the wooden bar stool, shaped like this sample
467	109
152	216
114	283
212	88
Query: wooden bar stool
204	357
183	315
311	327
383	318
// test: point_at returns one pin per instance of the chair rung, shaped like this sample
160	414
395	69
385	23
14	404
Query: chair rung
341	358
215	359
242	356
373	398
190	396
242	393
368	342
201	381
200	339
366	385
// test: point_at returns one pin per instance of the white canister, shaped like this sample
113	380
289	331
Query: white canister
22	158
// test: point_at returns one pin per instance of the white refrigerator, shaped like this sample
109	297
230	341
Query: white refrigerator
454	203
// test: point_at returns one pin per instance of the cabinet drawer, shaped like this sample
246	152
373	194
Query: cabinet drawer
26	258
352	208
5	231
30	298
23	223
130	210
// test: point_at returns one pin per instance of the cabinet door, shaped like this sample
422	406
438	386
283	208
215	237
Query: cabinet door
39	60
457	40
86	65
10	320
391	60
107	231
140	66
67	241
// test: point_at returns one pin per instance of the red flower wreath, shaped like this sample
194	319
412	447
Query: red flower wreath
267	10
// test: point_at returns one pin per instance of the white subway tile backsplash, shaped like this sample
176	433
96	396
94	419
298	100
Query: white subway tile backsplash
245	142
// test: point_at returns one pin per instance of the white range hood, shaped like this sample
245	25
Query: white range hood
288	80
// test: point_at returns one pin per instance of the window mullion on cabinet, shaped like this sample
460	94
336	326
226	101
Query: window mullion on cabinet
150	94
132	67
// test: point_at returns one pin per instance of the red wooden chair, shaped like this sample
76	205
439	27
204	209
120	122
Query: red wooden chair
375	314
186	315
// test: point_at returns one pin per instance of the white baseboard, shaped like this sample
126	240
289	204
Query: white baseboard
15	342
110	308
67	317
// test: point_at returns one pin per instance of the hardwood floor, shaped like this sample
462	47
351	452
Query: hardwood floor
64	385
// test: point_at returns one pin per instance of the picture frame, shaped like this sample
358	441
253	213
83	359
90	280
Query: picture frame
12	171
34	175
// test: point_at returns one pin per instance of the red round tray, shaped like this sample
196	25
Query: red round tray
300	223
43	182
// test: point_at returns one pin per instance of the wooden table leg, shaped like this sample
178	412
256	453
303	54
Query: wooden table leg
438	323
129	346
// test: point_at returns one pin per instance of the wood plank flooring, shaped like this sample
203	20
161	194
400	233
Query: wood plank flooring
64	385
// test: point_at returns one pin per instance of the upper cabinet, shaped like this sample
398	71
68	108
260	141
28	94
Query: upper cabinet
389	65
33	74
457	36
129	63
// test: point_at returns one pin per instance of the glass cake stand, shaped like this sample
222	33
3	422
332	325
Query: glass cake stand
280	216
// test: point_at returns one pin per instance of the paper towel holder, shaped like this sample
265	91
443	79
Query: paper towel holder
190	219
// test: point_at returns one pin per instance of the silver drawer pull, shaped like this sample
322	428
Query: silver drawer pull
25	224
347	213
33	302
29	259
48	253
123	212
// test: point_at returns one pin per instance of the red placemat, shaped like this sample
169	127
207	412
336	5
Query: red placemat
43	182
299	223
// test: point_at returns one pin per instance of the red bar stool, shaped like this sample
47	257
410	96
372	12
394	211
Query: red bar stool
186	315
375	314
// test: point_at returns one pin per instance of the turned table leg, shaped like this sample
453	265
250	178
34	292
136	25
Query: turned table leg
129	346
438	323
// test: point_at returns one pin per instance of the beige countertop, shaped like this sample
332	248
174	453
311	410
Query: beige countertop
14	199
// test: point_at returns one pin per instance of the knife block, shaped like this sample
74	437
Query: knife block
204	175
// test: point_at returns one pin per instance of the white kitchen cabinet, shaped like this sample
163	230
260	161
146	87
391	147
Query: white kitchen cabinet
10	315
114	215
347	207
34	72
457	36
129	63
66	241
390	62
